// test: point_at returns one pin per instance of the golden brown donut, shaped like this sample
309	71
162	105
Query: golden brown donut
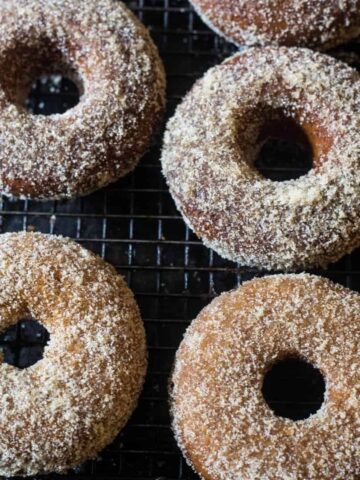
68	406
212	142
109	54
318	24
222	423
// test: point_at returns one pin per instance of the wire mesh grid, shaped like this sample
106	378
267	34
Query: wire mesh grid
134	225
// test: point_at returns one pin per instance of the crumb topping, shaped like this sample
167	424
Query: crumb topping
212	141
110	56
221	420
68	406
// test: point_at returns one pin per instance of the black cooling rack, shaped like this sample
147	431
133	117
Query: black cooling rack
134	225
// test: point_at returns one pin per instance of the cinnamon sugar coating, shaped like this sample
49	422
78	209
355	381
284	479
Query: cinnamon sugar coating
212	142
110	56
68	406
319	24
222	423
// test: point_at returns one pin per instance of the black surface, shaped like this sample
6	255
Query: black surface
281	160
294	389
135	226
52	94
23	344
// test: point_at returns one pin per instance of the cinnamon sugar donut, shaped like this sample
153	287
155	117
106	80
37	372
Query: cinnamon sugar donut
212	142
110	56
65	408
304	23
224	426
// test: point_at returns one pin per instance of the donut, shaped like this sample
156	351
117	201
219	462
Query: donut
319	24
68	406
221	420
108	53
212	142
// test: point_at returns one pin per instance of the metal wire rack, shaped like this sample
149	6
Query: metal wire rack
134	225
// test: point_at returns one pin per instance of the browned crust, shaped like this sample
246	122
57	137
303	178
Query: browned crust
67	407
221	421
305	23
111	55
212	141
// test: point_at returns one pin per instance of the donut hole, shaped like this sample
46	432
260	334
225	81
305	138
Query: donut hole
285	151
52	94
23	344
293	388
40	80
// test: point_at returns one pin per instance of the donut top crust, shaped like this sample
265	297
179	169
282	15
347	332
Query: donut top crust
212	141
68	406
221	420
305	23
104	48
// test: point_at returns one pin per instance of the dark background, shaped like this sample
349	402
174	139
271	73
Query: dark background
134	225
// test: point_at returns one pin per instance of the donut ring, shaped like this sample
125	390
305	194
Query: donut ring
68	406
221	420
110	56
212	141
319	24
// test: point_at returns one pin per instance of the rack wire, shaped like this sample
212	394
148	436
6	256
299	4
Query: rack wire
134	225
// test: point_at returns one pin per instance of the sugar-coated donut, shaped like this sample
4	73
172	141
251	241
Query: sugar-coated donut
213	139
222	422
65	408
305	23
110	56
